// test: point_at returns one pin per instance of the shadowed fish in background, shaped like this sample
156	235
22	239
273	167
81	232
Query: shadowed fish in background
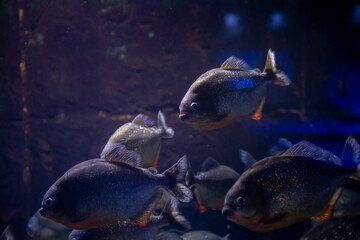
129	231
211	184
304	181
222	95
97	192
140	136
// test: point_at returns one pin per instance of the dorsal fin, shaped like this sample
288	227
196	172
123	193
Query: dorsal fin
208	164
116	152
143	120
281	145
351	153
233	63
246	158
309	150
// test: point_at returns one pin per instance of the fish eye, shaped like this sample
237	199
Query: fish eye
49	202
194	106
240	201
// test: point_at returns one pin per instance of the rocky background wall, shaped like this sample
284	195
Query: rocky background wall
72	72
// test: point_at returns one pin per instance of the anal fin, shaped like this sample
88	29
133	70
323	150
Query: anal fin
143	219
329	211
258	113
199	203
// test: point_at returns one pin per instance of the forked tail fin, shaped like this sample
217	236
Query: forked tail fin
168	132
175	177
280	78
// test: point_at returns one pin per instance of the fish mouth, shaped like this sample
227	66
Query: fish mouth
184	115
226	211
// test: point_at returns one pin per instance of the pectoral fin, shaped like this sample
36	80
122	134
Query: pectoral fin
258	113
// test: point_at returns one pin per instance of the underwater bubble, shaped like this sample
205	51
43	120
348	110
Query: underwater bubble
232	25
277	20
355	20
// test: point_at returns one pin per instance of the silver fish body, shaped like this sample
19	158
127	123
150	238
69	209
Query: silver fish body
140	136
97	192
221	95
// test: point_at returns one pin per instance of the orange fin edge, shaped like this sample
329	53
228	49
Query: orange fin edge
201	207
143	219
258	113
329	211
156	162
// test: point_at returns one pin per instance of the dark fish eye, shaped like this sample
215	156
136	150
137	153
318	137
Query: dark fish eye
194	106
240	201
49	202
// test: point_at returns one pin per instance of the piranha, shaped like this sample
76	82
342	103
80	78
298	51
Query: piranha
130	231
140	136
97	192
211	184
303	182
337	228
222	95
41	228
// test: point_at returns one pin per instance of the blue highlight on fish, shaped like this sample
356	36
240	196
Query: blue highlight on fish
246	83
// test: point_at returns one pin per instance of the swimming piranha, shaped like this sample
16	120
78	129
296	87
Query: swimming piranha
140	136
97	192
221	95
303	182
129	231
337	228
211	184
41	228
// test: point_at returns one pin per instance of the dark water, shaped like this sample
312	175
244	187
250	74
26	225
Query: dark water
72	72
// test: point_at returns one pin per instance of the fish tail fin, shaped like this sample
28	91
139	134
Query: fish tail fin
280	78
190	177
173	215
167	131
351	155
175	178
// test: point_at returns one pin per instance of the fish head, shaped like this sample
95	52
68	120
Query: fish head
199	106
243	205
57	205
